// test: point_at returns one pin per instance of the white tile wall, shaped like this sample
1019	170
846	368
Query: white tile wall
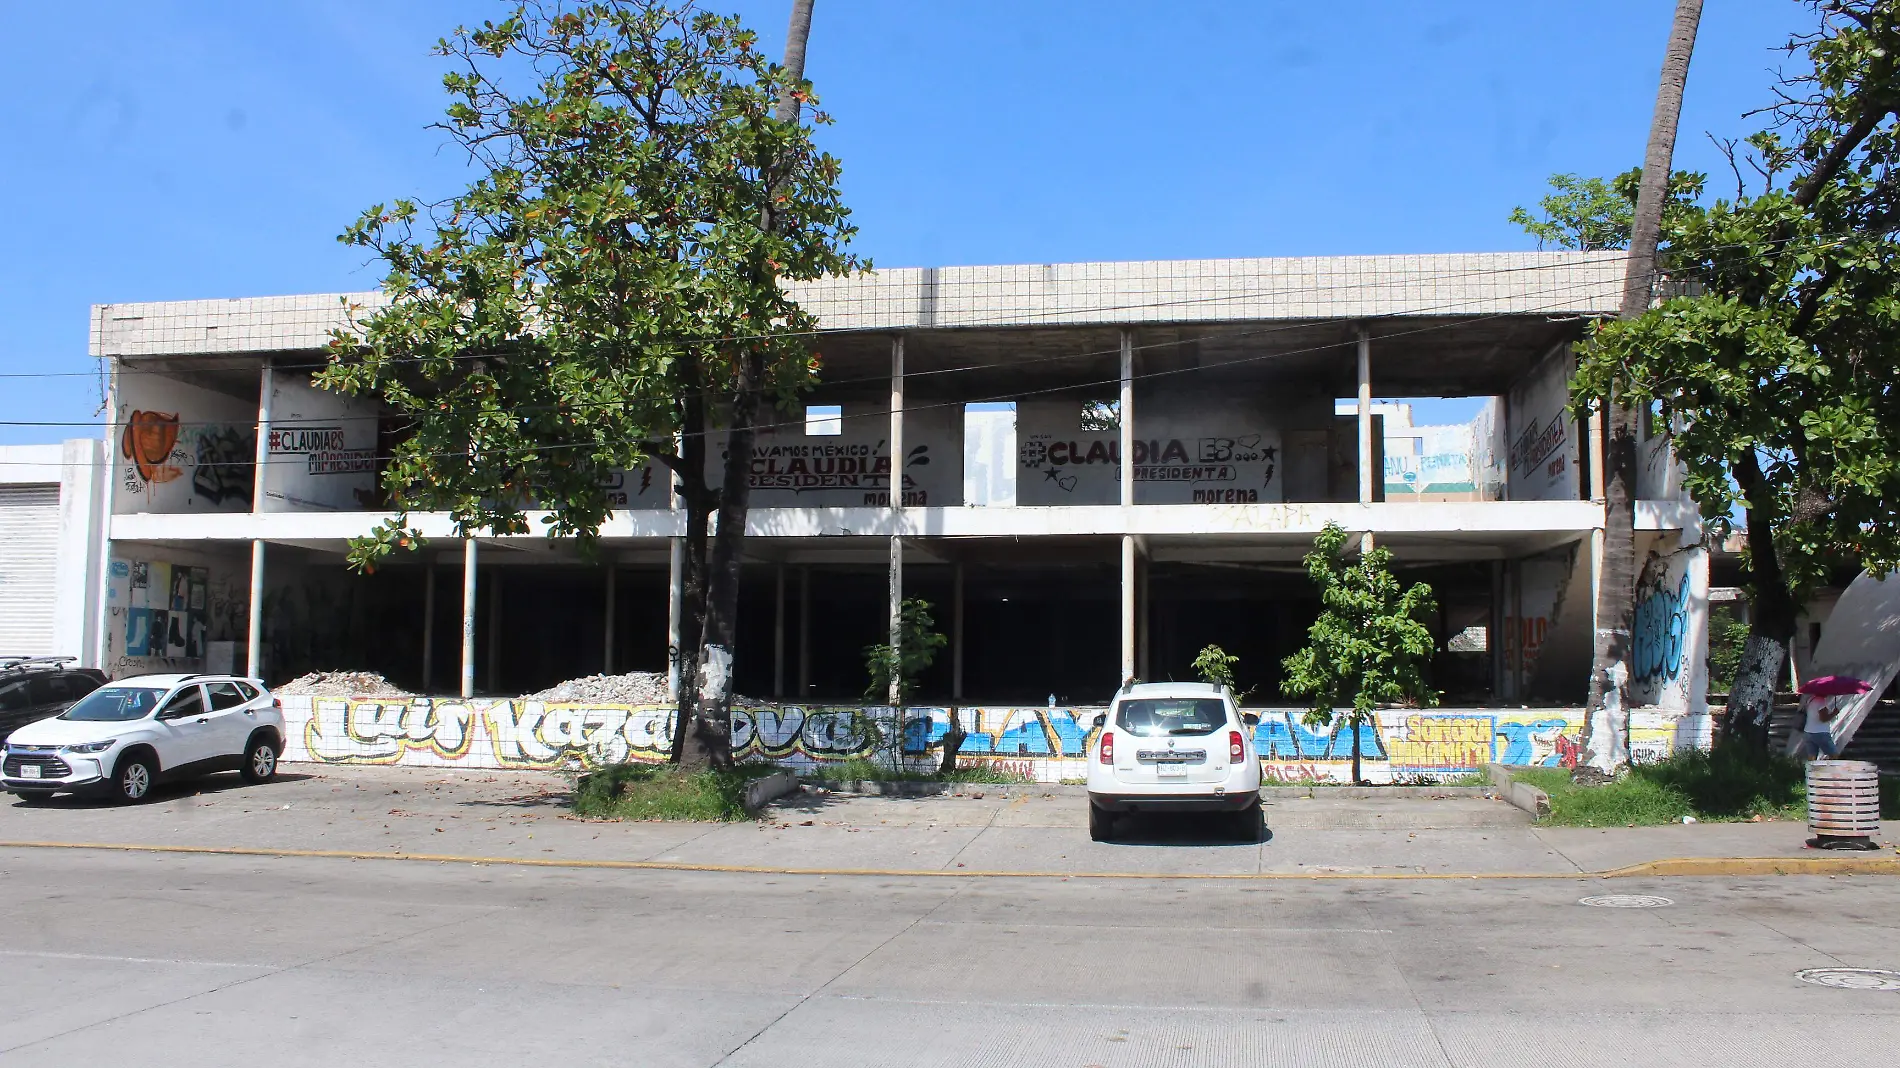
1320	287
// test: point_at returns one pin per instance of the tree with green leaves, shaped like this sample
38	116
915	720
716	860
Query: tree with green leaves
608	291
917	649
1593	214
1216	666
1775	366
1370	644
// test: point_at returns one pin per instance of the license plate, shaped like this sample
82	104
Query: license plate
29	771
1166	770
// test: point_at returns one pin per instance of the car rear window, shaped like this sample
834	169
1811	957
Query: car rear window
1159	716
115	704
225	695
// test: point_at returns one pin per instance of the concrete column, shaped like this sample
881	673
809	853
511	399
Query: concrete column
1596	578
1142	618
956	633
778	632
468	617
254	635
1365	417
675	606
1128	420
896	619
804	633
1128	607
266	392
607	643
428	627
1595	430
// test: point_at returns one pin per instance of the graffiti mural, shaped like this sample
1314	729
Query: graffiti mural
549	736
169	465
226	464
1668	633
1047	744
1656	636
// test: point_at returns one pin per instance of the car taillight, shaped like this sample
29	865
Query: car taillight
1108	748
1236	747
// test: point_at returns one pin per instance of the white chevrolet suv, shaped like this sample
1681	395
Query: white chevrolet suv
125	737
1174	747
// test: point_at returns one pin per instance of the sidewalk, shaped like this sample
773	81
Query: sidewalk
523	816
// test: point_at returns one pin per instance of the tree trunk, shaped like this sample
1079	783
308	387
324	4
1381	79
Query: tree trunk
709	741
952	743
1772	617
1605	741
1353	725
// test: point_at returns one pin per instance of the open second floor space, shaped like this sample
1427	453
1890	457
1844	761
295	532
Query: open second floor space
1232	395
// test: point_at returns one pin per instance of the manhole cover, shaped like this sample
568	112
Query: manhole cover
1851	978
1625	901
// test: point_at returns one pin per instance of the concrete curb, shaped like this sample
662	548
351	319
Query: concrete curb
1522	794
1377	793
1673	867
762	792
890	788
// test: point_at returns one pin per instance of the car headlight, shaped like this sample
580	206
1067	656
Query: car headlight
87	747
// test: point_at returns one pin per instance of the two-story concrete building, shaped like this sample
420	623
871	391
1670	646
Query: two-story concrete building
1180	431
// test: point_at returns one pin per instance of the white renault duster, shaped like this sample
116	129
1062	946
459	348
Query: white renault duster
1174	747
125	737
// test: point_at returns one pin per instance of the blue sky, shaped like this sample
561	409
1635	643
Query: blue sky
167	150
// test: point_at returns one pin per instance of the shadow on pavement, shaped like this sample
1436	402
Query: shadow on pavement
1180	829
221	783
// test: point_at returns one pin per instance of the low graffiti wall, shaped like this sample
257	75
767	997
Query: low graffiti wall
1045	744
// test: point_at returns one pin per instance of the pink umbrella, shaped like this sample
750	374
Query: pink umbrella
1833	686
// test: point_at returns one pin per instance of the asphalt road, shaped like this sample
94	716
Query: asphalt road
214	960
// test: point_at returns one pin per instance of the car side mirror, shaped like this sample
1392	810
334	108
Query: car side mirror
1250	719
1101	719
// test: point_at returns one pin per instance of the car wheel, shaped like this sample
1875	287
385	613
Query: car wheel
1249	823
1101	824
134	779
260	761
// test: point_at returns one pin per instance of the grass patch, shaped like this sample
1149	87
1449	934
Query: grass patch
861	770
666	792
1726	784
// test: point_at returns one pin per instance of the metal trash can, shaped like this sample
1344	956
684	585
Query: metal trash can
1843	804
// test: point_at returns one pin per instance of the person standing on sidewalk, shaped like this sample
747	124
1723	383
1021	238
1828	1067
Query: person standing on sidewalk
1818	732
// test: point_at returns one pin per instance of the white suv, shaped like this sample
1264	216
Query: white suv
126	736
1174	747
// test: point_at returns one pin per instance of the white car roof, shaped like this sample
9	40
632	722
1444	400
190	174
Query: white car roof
1171	689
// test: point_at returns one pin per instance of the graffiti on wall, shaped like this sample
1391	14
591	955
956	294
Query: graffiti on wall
158	451
1047	744
545	735
1661	623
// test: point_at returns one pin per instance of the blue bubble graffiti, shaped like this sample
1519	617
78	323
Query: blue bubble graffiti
1656	635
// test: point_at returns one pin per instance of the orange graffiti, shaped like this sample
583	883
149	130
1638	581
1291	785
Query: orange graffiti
147	442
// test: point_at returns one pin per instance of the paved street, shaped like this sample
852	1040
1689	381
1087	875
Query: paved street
987	829
178	958
207	961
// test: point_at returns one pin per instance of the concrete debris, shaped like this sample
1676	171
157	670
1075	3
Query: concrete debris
633	688
343	684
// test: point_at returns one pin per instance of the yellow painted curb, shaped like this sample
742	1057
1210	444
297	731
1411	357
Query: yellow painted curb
1675	866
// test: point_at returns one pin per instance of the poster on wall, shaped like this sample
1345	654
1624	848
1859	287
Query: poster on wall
1205	457
852	468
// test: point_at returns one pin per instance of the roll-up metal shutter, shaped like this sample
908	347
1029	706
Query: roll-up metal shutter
29	542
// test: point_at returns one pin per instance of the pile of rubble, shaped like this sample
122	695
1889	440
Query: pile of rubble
633	688
343	684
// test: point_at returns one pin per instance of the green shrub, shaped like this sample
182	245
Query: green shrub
862	770
666	792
